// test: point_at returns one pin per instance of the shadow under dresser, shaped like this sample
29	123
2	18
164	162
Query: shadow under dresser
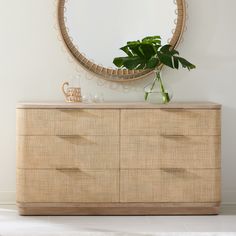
118	158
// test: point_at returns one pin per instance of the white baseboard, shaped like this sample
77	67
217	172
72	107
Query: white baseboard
7	197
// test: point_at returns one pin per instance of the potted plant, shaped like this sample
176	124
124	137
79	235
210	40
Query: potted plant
148	53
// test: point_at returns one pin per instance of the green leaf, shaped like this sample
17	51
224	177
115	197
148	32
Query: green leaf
166	59
130	63
134	42
186	64
157	37
169	50
119	61
174	52
127	51
134	63
141	66
149	54
135	49
152	63
156	47
165	48
152	40
176	63
147	50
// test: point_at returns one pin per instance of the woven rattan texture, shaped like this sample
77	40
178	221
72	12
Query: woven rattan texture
170	185
118	155
170	122
68	186
68	122
86	152
154	152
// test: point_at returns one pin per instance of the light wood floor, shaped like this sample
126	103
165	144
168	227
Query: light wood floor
12	224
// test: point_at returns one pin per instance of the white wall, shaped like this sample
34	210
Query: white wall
33	65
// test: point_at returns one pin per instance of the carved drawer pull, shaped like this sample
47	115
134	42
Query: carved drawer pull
174	109
69	136
69	109
173	136
174	170
68	169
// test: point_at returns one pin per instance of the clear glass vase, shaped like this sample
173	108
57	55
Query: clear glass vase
157	91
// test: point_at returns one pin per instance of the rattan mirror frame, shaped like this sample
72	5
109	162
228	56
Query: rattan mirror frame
119	75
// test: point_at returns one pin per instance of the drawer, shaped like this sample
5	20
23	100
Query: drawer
67	122
67	186
170	185
84	152
154	152
170	122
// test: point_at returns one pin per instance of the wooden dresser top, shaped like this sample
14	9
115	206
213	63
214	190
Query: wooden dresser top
118	105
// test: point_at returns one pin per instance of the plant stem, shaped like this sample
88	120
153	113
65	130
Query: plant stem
165	95
153	85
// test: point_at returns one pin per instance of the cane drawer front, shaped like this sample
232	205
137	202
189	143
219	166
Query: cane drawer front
67	185
68	122
154	152
170	185
170	122
84	152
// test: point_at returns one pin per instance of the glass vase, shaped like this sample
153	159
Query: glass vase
157	91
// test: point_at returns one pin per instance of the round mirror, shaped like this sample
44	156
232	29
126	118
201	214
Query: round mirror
94	31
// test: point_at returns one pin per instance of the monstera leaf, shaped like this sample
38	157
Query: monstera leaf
149	54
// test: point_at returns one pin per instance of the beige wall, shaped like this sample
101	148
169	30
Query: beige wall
33	65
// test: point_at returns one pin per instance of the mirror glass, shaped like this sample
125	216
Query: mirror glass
98	28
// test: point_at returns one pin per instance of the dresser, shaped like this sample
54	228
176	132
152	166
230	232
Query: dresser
118	158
